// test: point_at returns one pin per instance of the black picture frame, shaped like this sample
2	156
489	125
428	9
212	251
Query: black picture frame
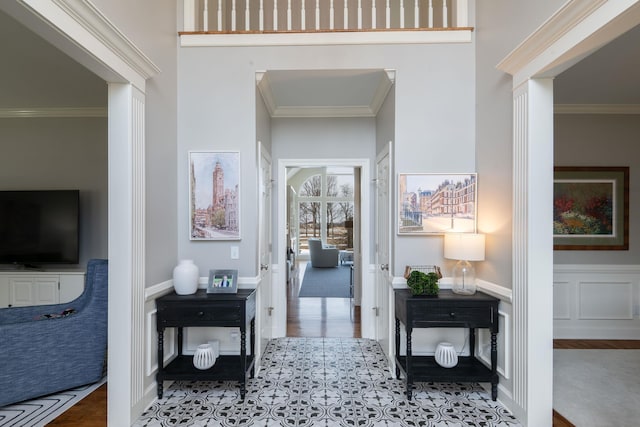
222	282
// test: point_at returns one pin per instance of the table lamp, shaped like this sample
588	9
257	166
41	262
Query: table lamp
464	247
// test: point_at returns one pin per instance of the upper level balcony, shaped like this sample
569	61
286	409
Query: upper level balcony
323	22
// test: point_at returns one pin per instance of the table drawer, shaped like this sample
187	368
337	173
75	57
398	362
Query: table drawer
476	315
199	314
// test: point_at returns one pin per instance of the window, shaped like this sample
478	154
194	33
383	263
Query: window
325	208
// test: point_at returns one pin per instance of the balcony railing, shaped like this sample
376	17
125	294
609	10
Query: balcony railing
313	16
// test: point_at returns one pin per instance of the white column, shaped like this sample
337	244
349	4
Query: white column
189	18
219	16
205	16
359	14
401	13
445	14
387	14
247	16
374	13
531	254
303	16
430	14
126	248
289	15
261	16
346	14
462	13
275	15
416	13
233	15
317	15
331	16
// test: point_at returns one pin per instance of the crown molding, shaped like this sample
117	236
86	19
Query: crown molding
596	109
96	23
560	23
52	112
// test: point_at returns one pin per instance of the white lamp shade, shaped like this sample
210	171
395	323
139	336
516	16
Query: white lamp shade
464	246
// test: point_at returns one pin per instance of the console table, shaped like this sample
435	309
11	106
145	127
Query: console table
202	309
447	310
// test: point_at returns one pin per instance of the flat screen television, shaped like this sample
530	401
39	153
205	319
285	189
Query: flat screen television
39	227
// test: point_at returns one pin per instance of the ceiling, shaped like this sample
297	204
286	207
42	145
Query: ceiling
34	74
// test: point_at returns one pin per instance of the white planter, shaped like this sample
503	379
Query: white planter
204	357
446	355
185	277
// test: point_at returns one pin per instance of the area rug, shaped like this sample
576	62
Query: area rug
325	382
597	388
332	282
40	412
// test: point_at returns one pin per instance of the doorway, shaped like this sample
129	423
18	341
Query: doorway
317	309
321	205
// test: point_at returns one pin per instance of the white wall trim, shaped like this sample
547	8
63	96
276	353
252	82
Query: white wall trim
335	38
79	29
596	301
596	109
52	112
573	32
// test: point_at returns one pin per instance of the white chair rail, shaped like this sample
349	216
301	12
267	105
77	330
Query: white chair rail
241	16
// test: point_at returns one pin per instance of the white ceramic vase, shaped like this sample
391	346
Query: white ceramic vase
185	277
446	355
204	357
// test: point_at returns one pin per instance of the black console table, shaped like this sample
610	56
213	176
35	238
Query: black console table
202	309
448	310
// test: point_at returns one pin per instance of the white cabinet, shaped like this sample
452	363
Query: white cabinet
25	288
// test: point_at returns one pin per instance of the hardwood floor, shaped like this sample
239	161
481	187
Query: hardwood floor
89	412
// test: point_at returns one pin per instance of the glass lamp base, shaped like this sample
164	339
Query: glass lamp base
464	278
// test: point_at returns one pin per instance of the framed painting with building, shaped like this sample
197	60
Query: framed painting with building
591	208
214	195
430	203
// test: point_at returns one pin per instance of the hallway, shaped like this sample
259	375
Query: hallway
319	317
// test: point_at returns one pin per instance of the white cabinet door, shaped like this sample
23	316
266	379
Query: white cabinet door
40	290
20	291
46	290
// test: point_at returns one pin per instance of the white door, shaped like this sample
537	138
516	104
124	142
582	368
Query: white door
265	315
383	293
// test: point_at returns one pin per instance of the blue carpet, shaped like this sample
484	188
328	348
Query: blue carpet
326	282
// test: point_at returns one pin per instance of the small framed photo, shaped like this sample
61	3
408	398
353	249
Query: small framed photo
223	282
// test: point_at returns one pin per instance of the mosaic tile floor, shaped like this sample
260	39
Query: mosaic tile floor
325	382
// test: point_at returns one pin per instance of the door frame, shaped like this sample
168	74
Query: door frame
362	259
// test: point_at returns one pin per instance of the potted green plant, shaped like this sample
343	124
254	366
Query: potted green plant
423	284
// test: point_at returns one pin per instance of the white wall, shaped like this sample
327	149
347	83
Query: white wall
53	154
502	25
434	116
152	26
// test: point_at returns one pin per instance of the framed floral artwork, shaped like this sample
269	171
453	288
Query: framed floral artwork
591	208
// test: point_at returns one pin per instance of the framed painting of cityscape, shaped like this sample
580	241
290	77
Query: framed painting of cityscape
214	195
430	203
591	208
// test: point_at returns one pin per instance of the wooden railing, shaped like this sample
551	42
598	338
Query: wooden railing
255	16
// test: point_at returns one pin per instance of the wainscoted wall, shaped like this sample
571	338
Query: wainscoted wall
596	301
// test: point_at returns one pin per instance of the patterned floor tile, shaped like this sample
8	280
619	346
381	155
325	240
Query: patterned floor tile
325	382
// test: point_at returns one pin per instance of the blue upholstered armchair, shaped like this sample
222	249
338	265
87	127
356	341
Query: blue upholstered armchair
50	348
322	255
